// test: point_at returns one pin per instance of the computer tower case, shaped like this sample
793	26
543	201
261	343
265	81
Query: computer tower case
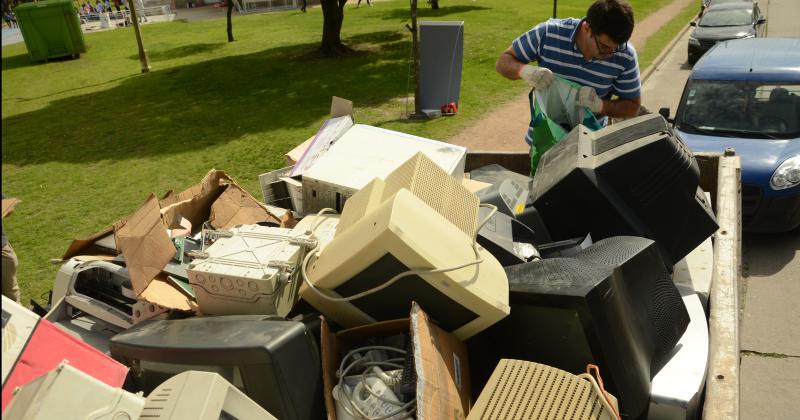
632	178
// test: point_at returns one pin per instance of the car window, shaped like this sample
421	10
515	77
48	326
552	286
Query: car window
727	17
746	109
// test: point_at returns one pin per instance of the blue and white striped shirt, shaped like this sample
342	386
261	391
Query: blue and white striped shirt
552	45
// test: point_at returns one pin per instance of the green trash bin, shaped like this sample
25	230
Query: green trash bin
51	29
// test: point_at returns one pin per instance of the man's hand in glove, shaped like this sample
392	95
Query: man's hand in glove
588	97
538	77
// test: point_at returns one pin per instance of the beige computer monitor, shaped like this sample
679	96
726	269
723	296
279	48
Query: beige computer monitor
400	234
526	390
200	396
425	179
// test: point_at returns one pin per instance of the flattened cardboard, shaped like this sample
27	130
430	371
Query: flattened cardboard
440	359
82	246
8	205
194	204
144	243
160	292
237	207
443	380
341	107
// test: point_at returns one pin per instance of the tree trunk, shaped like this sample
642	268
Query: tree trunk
332	19
434	4
230	24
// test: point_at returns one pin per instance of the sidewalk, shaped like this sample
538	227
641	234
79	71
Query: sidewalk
504	128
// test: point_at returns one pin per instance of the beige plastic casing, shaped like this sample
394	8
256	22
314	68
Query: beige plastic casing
200	396
67	393
425	179
520	389
419	237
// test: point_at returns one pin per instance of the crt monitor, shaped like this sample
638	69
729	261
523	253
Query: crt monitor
614	305
273	361
200	396
404	233
632	178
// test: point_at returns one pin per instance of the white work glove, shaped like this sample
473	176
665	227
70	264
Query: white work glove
588	98
538	77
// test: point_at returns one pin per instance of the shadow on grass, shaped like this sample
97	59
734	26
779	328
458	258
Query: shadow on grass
395	14
22	60
181	52
207	104
17	61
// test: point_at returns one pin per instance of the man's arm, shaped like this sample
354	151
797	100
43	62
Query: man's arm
508	65
622	108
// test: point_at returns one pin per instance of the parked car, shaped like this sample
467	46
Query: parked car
745	94
705	4
725	21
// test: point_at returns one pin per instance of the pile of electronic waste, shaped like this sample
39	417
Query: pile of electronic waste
380	280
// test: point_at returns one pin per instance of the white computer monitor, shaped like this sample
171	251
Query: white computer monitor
201	396
68	393
404	233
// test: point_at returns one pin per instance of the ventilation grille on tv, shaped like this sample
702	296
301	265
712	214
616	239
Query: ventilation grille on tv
626	133
426	180
527	390
436	188
668	317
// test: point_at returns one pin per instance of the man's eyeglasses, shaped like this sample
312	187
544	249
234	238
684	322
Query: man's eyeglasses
606	50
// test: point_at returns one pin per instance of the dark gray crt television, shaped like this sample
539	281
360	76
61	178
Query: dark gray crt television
274	361
633	178
614	305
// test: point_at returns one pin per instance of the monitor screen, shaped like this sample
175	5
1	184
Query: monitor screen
632	178
273	361
613	305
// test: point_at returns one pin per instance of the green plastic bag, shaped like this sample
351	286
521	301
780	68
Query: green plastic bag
551	110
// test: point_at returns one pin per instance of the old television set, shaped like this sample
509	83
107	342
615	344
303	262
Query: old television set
273	361
180	397
614	305
632	178
404	233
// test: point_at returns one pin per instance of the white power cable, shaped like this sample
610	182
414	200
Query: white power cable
403	409
407	273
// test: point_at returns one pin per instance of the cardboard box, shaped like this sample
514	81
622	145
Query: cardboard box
142	237
441	364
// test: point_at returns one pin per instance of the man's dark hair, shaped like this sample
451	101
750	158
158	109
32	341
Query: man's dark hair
613	18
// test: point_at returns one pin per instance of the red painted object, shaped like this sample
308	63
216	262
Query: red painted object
449	109
43	347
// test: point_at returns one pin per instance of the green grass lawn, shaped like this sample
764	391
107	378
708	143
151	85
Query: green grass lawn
85	141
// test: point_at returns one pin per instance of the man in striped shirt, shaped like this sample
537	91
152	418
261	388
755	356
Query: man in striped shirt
593	52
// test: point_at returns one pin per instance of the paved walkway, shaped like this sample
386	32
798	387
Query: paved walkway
11	36
504	128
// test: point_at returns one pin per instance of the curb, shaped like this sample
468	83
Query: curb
660	57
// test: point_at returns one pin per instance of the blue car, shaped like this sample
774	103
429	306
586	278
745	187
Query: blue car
745	94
